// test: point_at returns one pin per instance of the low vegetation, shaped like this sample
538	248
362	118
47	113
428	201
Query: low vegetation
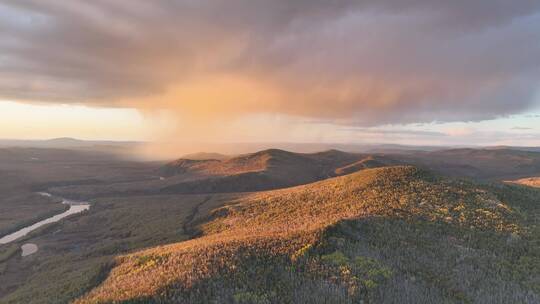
23	208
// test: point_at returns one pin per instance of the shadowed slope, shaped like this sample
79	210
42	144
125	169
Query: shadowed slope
487	164
385	235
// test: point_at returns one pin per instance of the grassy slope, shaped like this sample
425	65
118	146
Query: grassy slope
530	181
381	235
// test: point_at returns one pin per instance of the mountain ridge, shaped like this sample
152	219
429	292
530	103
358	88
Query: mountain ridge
340	240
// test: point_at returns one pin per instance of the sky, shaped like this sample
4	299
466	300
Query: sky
436	72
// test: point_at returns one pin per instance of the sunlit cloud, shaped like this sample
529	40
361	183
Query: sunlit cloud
216	65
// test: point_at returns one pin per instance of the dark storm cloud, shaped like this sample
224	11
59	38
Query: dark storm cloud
366	62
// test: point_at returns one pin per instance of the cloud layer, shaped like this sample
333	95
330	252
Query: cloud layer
361	62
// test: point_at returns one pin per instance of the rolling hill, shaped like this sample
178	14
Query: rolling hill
274	169
485	164
384	235
263	170
299	168
267	169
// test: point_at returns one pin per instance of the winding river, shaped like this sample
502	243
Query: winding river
74	208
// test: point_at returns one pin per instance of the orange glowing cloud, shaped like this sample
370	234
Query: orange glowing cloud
214	63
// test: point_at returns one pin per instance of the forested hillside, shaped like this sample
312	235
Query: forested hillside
387	235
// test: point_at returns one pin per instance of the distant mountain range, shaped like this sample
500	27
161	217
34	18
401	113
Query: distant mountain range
62	142
274	168
226	150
